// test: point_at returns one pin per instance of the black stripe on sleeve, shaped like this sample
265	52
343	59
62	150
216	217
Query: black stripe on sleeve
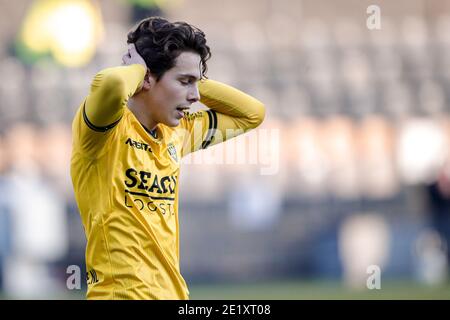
212	116
94	127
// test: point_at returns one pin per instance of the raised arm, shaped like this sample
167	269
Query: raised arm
237	109
111	88
231	113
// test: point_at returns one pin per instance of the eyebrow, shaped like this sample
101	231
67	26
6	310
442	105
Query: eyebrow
188	75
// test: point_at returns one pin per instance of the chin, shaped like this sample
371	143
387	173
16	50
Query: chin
172	123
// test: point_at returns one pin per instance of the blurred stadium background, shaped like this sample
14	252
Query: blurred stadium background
353	165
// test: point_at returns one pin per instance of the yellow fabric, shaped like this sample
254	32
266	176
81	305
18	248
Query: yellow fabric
126	182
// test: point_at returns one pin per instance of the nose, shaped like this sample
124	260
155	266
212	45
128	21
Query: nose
193	95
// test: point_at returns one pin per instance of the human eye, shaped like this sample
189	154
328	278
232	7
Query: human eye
187	80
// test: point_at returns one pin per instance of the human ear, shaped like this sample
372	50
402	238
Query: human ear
146	85
149	81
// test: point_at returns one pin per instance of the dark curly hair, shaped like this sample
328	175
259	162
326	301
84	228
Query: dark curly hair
160	42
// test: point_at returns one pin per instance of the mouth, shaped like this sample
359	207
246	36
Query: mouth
181	111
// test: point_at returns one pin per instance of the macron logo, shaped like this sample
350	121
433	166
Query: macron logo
138	145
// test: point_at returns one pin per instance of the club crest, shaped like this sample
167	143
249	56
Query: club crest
172	151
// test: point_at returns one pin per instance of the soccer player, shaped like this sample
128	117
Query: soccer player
129	135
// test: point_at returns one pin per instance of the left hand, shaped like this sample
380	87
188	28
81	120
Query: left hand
132	57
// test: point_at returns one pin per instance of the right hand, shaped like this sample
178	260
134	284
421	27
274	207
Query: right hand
132	57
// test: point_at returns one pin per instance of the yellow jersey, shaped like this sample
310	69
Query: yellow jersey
126	182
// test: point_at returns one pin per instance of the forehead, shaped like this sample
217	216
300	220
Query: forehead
188	63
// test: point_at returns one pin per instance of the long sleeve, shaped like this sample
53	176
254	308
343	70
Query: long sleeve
103	108
231	113
244	111
110	91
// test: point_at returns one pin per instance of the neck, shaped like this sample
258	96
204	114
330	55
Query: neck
137	106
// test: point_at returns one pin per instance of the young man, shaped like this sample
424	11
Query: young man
128	138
